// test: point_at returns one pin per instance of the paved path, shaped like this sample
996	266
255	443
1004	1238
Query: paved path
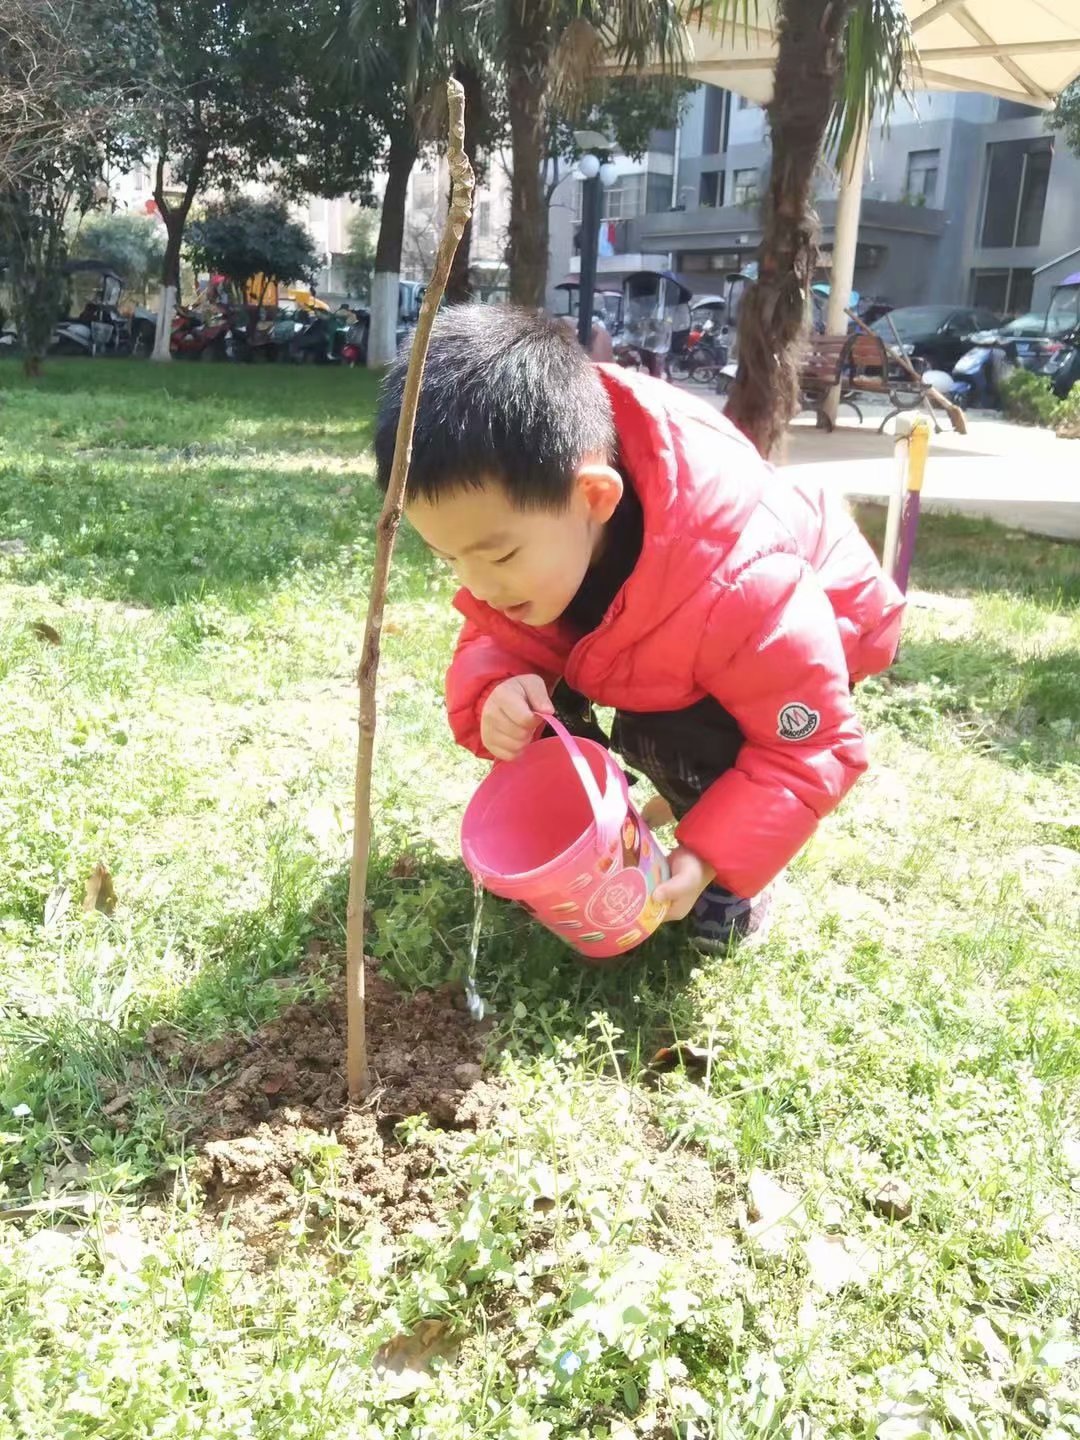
1024	478
1021	477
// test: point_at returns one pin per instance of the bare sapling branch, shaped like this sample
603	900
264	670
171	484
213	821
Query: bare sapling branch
461	196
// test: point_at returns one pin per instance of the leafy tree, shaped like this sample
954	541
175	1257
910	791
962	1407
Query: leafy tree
394	60
1066	116
66	95
629	109
243	238
131	243
245	90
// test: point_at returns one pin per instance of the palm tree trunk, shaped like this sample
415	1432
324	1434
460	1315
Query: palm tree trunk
765	395
382	331
458	284
526	92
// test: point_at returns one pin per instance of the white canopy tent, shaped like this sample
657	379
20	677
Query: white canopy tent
1021	50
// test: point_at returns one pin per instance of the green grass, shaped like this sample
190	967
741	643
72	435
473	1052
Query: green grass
199	538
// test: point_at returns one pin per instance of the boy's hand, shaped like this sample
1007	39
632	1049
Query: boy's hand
689	877
512	713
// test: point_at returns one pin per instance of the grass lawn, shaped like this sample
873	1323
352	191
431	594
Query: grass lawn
599	1251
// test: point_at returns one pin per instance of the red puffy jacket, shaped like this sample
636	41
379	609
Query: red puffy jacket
751	588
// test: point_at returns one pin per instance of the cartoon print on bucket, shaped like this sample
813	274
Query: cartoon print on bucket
571	848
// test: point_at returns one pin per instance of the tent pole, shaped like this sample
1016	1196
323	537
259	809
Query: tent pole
845	243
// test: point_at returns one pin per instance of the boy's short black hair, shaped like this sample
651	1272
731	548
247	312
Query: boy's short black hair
509	395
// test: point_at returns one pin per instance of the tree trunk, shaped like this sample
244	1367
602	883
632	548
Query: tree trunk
458	285
765	395
526	92
382	328
175	218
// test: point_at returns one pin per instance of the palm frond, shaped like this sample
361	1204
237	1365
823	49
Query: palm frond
636	33
575	62
723	17
879	52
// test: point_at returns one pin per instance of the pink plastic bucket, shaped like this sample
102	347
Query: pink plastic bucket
556	831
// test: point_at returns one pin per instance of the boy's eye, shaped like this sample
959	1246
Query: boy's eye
506	558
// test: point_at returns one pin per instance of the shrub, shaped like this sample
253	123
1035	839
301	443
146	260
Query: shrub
1028	399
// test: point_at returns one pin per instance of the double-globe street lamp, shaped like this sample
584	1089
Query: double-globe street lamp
598	172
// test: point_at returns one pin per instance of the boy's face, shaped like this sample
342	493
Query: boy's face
527	563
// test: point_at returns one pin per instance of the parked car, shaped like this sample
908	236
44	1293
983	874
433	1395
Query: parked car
1062	363
934	336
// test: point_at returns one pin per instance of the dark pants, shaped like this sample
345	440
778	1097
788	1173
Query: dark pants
681	751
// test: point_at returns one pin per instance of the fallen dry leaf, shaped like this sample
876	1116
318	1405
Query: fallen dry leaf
100	894
44	631
773	1214
832	1264
116	1105
891	1199
57	904
405	1362
694	1059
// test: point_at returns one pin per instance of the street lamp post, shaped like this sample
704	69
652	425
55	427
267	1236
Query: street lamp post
597	172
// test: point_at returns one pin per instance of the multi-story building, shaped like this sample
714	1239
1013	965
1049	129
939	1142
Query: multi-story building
966	198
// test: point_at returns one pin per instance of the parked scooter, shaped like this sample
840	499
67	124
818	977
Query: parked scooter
99	327
199	336
978	374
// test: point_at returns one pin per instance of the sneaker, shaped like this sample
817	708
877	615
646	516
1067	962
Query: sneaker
720	918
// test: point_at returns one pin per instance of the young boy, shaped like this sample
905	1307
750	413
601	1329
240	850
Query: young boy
619	543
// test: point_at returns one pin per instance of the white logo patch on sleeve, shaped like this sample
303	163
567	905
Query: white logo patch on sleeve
797	721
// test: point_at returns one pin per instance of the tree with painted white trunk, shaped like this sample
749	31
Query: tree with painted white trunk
244	92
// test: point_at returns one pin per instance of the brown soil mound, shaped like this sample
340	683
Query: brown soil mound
258	1126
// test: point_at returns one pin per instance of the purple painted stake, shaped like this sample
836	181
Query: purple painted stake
917	444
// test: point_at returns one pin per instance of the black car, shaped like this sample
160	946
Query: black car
934	336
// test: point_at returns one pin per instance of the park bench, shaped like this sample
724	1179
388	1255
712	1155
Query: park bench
860	364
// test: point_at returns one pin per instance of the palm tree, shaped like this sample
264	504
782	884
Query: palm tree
388	61
838	61
547	49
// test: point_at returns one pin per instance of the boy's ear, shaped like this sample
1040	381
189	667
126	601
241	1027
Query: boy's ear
601	487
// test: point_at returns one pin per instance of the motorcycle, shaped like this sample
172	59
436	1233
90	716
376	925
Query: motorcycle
702	356
977	375
354	350
323	341
199	336
99	326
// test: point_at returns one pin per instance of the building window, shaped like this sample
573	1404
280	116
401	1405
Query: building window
483	219
1013	110
922	173
744	187
1006	292
626	198
742	103
712	134
1017	175
657	193
711	190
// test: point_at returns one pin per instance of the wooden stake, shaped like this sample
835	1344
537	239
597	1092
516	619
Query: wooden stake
461	177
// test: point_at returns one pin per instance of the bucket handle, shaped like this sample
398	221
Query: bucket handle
583	768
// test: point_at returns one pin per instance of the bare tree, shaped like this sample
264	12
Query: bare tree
45	104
